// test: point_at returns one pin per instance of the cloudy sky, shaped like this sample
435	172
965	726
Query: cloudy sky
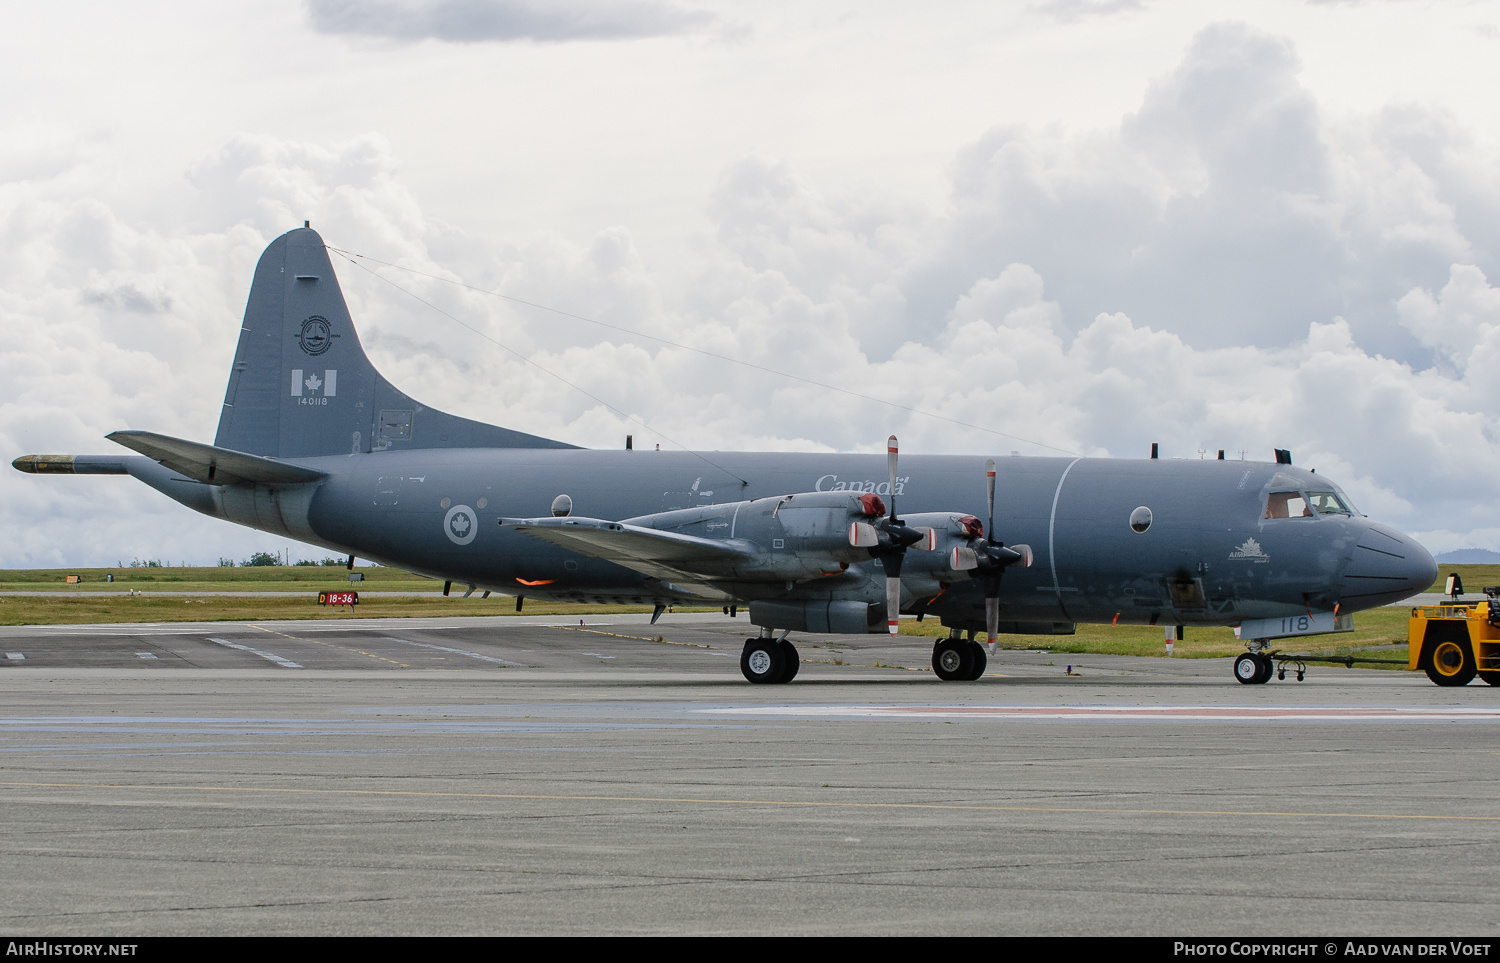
1077	225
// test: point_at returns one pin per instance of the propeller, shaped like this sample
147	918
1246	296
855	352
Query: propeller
888	539
990	558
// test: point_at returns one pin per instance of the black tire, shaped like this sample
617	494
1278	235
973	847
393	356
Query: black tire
792	661
981	660
1490	676
1267	669
953	660
762	661
1449	662
1248	669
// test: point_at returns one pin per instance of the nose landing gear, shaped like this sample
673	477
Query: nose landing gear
1257	667
1253	668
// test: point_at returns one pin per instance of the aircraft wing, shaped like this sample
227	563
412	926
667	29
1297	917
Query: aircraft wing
210	465
665	555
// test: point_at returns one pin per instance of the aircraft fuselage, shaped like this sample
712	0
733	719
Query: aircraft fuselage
1209	556
315	444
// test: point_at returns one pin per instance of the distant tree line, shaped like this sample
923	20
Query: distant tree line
259	558
270	558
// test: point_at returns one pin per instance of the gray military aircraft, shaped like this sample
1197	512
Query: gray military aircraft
314	444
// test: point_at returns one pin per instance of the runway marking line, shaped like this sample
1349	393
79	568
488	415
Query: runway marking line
330	645
786	803
270	656
473	655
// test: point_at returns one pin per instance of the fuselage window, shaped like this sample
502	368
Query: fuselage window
1287	505
1328	503
1140	519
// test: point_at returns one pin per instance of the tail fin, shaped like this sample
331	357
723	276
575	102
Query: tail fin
302	386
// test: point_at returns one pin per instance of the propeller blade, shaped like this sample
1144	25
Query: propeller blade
992	612
1026	555
863	535
898	537
928	540
890	459
989	490
963	559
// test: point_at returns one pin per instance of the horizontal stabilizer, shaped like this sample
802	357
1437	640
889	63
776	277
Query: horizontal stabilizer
210	465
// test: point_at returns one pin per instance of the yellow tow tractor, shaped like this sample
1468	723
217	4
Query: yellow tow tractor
1457	640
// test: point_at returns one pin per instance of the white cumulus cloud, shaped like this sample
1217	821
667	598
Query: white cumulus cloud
1226	267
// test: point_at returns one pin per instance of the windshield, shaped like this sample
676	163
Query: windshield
1329	503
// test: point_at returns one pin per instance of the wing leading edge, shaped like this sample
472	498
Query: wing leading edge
664	555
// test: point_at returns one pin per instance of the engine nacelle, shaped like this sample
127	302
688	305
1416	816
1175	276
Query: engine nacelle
947	531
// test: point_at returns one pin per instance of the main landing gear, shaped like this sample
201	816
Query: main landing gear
768	660
956	659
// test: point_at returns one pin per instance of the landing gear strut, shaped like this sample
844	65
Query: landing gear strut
768	660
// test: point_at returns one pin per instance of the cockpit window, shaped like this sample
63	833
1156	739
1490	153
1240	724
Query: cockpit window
1287	505
1329	503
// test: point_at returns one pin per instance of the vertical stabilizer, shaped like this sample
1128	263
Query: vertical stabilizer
302	386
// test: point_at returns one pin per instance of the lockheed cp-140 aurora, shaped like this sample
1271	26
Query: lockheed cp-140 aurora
314	444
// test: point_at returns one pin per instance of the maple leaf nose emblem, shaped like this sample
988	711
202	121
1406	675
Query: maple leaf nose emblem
313	382
460	525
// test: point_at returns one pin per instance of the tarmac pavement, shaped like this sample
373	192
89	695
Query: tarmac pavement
520	775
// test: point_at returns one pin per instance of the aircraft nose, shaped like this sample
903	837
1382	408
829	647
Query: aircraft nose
1387	567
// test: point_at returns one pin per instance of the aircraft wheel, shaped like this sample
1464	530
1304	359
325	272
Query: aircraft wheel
1450	663
953	660
762	661
792	662
1493	678
1267	669
1247	669
981	661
